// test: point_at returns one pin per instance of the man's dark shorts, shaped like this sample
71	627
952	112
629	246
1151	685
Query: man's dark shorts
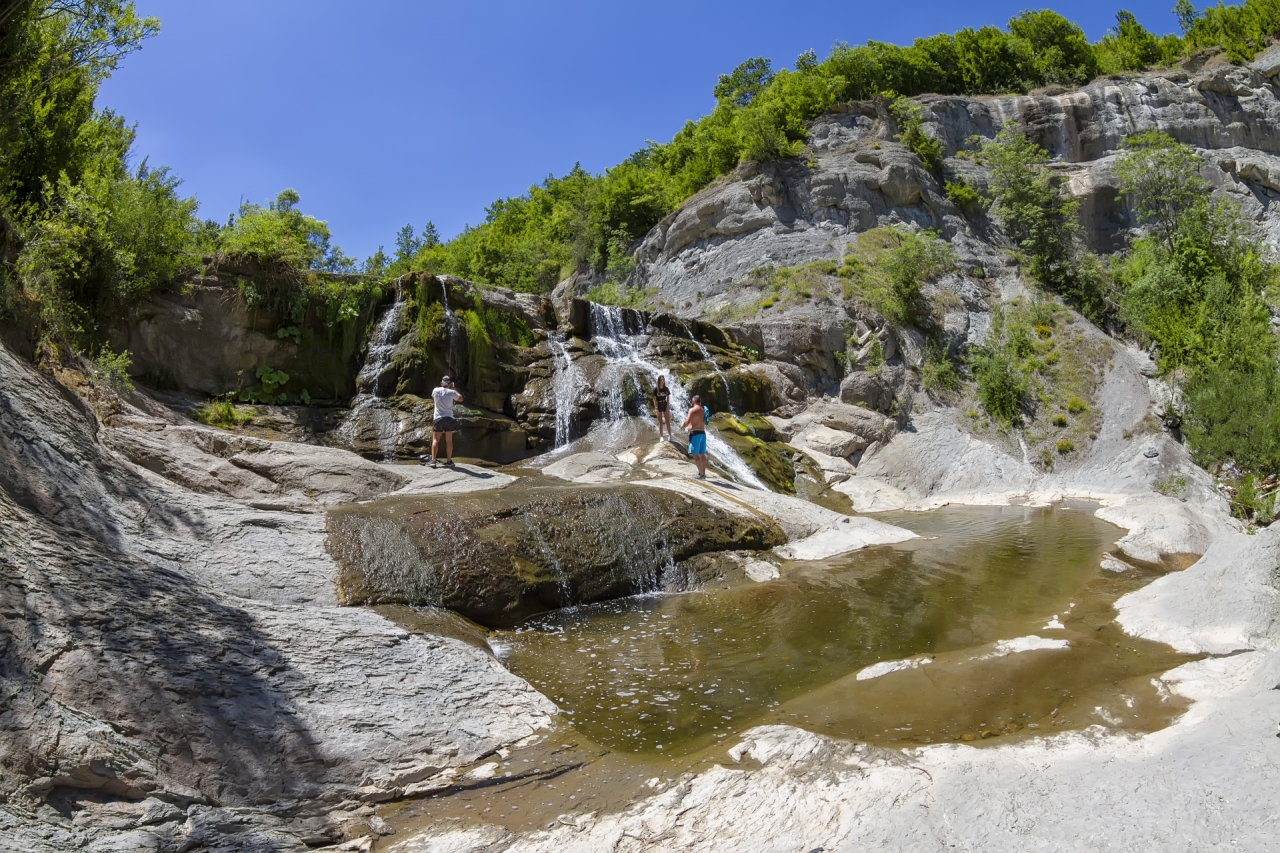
444	425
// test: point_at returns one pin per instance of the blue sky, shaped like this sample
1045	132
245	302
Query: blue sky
387	112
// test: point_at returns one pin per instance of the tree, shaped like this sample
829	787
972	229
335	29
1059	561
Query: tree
1163	178
745	82
1130	47
1186	14
1060	52
1042	221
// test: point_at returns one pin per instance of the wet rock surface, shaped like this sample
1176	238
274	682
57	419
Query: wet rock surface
501	556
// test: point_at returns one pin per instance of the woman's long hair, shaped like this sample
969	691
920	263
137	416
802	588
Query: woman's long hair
662	382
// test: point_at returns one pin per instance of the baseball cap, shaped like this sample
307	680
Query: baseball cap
445	381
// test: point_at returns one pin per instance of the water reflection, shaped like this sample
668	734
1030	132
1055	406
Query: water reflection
673	674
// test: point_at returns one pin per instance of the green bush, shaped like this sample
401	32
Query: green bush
1234	415
221	413
268	391
910	119
938	375
1002	384
961	193
889	267
1064	446
112	369
1241	29
1196	285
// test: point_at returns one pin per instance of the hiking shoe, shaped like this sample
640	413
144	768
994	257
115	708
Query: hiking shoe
449	462
430	463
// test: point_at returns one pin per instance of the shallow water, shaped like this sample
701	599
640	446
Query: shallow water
652	687
674	673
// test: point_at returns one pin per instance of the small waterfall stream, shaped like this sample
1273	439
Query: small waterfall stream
567	384
369	406
626	363
706	356
450	330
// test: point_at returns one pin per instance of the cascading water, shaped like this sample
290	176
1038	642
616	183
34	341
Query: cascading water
706	356
626	360
450	328
567	384
370	417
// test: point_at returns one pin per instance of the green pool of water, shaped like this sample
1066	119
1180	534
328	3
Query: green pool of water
672	674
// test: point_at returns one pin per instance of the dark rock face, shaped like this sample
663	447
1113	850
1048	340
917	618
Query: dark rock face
498	557
202	336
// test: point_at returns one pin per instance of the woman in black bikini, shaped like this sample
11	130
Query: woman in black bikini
661	399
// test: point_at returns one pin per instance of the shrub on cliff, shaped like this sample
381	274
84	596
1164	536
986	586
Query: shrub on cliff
1042	221
1196	286
280	233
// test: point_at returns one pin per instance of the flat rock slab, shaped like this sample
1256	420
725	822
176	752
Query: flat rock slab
814	532
589	468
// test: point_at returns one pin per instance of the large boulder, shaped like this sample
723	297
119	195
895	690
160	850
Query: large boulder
832	442
498	557
867	388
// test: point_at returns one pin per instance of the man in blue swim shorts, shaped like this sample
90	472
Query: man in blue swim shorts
696	423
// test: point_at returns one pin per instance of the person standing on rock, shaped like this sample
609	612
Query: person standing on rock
443	398
661	403
696	424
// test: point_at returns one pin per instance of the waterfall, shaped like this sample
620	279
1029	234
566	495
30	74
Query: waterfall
706	356
369	410
450	329
566	384
626	362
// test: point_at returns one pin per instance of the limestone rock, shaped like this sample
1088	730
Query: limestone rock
497	557
588	468
866	389
832	442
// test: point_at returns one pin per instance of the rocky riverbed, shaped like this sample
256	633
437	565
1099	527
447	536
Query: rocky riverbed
178	673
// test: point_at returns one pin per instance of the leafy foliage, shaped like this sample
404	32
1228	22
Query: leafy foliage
282	234
112	369
222	413
583	221
889	268
961	193
1195	285
1042	221
910	119
268	390
1234	414
1241	30
81	234
1130	47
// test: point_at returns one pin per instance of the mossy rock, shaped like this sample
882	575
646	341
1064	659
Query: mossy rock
772	461
758	427
500	556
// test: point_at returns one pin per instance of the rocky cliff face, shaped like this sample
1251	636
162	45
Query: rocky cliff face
791	212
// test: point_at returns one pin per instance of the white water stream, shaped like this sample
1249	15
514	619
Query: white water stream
706	356
368	406
626	362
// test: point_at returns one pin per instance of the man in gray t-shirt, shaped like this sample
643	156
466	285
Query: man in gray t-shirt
444	397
